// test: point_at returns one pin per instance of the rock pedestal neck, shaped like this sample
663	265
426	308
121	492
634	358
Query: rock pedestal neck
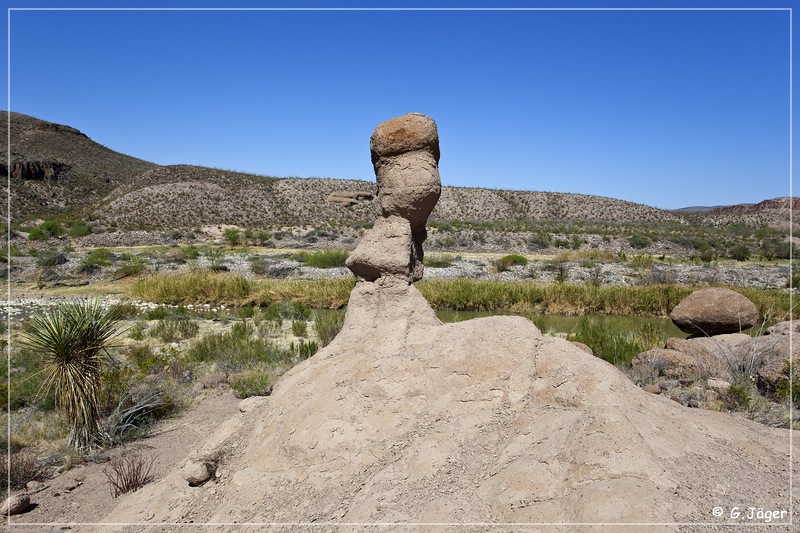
405	155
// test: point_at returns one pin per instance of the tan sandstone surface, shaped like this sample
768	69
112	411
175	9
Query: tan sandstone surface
405	419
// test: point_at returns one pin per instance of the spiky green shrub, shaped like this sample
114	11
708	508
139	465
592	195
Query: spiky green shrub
327	324
73	339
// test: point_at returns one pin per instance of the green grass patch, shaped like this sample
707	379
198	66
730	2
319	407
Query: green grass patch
617	347
440	260
239	349
507	261
457	294
559	298
192	287
317	294
322	258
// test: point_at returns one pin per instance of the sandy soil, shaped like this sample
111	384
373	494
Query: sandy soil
83	495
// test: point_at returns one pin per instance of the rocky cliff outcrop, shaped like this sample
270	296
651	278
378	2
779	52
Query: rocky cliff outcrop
35	170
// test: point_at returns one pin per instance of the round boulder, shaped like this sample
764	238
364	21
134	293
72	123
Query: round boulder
15	504
197	472
714	311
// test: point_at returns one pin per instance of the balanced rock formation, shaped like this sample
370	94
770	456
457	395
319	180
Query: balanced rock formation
405	155
472	426
714	311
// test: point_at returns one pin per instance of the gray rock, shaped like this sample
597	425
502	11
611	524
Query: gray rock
652	389
583	347
671	363
15	504
718	384
252	403
720	356
197	472
714	311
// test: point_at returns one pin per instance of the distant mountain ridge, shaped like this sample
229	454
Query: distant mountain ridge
58	170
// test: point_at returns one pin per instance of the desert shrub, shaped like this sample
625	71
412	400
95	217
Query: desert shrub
144	357
10	251
171	330
262	237
50	258
17	469
507	261
232	235
256	382
79	229
560	267
125	310
303	349
48	229
37	234
27	383
53	227
237	349
639	241
128	473
737	397
322	258
294	310
132	266
258	265
539	240
73	339
191	252
788	387
246	311
327	324
216	259
157	313
96	259
299	328
440	260
642	261
740	252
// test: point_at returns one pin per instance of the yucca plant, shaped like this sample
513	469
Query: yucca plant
73	339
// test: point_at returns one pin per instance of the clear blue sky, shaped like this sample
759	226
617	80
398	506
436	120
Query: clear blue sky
665	108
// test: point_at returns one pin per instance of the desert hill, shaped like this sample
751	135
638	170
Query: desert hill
57	170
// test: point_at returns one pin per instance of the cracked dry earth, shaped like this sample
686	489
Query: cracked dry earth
483	425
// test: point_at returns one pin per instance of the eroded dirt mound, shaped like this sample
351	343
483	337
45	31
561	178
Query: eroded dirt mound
405	419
